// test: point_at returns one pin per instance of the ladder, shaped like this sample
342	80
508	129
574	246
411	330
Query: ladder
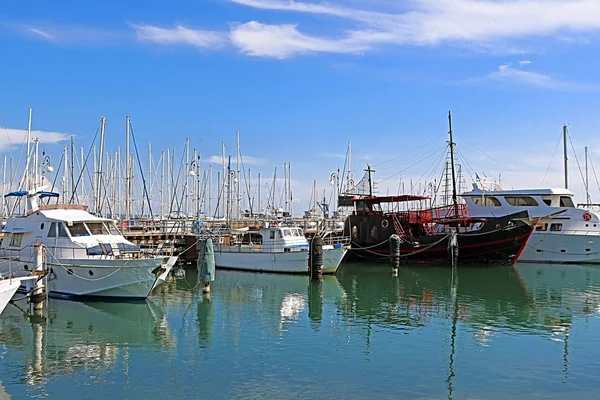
398	226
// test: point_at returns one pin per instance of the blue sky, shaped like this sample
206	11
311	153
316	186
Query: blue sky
299	79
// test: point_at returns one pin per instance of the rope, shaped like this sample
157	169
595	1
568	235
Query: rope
70	272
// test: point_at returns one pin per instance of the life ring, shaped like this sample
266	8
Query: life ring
385	223
587	216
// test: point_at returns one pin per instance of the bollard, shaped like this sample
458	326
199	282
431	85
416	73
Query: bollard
453	248
37	296
206	264
395	252
315	258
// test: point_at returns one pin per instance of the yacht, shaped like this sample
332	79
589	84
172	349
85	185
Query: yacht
564	234
275	249
85	255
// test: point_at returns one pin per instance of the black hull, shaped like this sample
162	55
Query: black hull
500	240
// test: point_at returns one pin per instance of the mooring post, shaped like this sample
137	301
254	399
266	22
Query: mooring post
453	248
206	264
395	252
37	296
315	258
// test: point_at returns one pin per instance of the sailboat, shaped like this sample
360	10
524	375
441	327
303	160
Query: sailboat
427	233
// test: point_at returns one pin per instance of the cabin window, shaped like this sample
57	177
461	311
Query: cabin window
62	231
521	201
362	206
286	233
272	235
541	227
296	232
16	239
556	227
78	229
97	228
547	201
52	230
486	201
566	201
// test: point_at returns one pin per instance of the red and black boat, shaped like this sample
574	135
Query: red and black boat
428	234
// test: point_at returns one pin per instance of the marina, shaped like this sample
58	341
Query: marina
300	199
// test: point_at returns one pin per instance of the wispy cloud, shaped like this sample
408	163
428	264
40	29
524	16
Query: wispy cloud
509	73
433	22
41	33
248	160
66	33
15	137
180	35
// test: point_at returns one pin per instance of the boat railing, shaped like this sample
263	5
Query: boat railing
54	253
258	248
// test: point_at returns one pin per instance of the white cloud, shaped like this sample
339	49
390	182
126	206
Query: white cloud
248	160
481	23
16	137
180	35
507	73
284	41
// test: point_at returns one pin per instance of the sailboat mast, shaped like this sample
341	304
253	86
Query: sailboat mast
587	179
127	171
451	144
99	172
28	149
565	156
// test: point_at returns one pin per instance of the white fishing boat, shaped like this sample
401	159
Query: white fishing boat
274	249
85	256
570	235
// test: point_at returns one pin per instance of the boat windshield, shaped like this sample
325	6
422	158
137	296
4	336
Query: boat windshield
78	229
296	232
98	228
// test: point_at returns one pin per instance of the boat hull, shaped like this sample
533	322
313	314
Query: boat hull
99	278
562	248
500	241
295	262
8	288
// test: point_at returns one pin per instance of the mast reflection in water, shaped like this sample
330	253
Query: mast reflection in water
522	331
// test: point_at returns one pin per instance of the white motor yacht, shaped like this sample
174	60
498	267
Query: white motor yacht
85	256
570	235
274	249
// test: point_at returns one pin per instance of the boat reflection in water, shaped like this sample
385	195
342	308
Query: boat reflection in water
77	337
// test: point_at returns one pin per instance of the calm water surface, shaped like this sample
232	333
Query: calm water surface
530	331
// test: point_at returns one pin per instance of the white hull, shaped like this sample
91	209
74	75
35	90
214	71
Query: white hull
129	279
295	262
8	288
564	247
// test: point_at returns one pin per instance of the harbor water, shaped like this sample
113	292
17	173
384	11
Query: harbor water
528	331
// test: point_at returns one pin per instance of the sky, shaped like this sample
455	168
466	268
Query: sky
300	79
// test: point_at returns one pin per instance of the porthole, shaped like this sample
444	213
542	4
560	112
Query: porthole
70	271
91	272
563	251
586	225
42	227
26	268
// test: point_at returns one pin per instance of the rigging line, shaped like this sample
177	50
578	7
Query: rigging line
551	159
432	167
409	167
409	160
487	155
595	176
410	151
137	156
462	157
576	159
84	166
